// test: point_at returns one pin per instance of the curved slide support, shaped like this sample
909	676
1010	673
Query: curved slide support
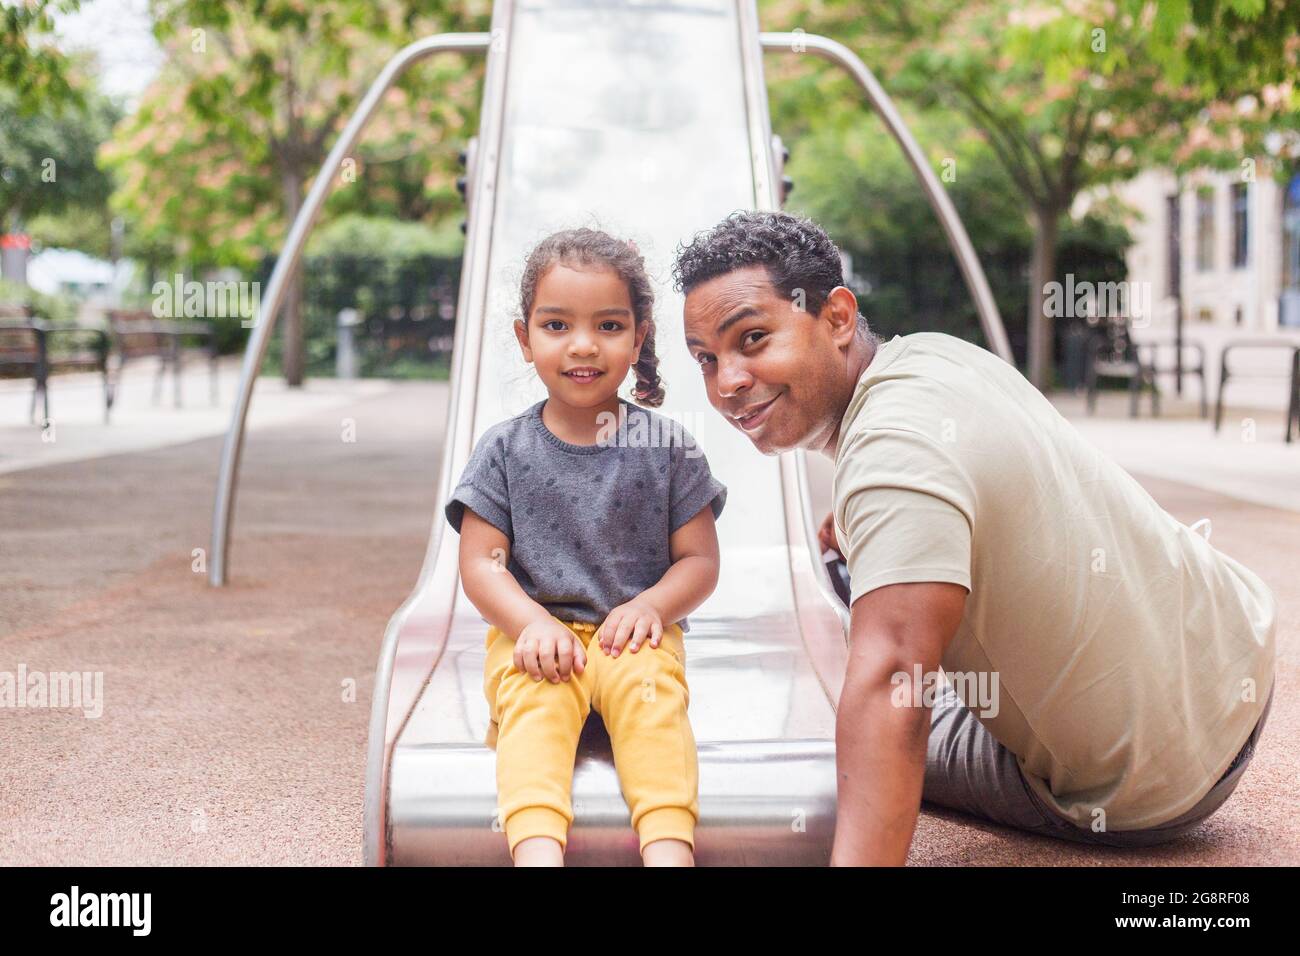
967	260
287	263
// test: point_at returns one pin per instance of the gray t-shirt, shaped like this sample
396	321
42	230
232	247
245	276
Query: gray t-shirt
589	525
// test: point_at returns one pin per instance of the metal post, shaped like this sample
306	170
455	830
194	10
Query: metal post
962	248
287	263
345	353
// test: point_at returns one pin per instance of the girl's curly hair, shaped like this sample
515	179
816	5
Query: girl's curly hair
591	247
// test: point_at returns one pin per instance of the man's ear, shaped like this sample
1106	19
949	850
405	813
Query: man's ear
521	333
841	311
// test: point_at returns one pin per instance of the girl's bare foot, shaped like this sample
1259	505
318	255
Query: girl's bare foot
539	851
667	853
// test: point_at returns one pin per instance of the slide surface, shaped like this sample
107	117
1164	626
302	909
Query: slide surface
648	120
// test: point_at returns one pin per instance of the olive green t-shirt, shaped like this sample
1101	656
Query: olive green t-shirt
1132	658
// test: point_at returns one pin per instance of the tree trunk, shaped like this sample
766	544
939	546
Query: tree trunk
292	341
1042	270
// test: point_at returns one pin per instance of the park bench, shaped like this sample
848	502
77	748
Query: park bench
138	334
1161	357
33	348
1113	354
20	349
1289	369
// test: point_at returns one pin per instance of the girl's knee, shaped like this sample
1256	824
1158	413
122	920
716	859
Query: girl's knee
650	675
518	690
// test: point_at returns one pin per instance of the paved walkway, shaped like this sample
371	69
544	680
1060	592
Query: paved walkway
234	722
77	431
1247	458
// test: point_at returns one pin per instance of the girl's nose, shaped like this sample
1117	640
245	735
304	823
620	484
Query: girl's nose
582	344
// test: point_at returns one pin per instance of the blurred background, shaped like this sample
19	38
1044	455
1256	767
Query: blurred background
146	145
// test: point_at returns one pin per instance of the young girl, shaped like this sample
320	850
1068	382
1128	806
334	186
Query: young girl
585	551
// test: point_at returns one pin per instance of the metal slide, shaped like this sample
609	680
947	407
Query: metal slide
649	119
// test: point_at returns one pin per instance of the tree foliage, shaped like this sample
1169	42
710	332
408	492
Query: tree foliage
48	158
1066	93
249	102
31	66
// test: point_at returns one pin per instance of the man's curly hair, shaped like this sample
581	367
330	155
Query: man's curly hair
797	254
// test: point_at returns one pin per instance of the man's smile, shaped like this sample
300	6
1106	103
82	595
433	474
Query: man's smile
754	416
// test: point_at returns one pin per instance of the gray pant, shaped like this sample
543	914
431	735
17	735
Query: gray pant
967	769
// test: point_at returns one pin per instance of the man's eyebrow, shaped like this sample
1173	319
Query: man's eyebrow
744	312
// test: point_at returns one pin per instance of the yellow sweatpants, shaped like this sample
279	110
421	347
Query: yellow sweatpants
642	698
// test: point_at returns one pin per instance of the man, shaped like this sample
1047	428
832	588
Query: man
1110	670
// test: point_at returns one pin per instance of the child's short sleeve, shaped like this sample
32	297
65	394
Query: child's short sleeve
483	487
691	483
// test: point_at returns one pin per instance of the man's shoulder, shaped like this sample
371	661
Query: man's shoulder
920	346
926	376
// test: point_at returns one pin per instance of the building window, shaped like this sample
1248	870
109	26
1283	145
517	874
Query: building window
1240	225
1291	235
1174	253
1289	301
1205	229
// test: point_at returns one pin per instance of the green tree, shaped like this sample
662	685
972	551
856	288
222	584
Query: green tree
31	66
47	159
1243	54
217	159
858	186
1063	91
50	126
1233	47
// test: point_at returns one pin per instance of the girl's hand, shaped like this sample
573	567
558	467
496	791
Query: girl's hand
635	620
546	647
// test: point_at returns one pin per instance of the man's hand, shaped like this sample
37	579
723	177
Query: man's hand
635	620
826	535
548	648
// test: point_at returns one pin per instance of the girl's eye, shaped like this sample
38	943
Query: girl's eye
549	323
609	325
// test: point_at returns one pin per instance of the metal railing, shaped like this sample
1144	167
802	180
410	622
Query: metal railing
285	266
1292	375
963	249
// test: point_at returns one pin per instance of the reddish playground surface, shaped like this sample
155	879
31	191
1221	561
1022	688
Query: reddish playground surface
228	735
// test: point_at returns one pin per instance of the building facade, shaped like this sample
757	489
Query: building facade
1228	242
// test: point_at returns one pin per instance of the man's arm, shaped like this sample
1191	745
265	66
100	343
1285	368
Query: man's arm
880	747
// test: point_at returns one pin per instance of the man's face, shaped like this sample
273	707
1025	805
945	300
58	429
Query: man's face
773	370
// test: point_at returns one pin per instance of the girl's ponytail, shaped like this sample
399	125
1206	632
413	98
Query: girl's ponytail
649	388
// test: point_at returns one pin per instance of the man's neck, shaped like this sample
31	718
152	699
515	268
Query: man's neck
859	357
